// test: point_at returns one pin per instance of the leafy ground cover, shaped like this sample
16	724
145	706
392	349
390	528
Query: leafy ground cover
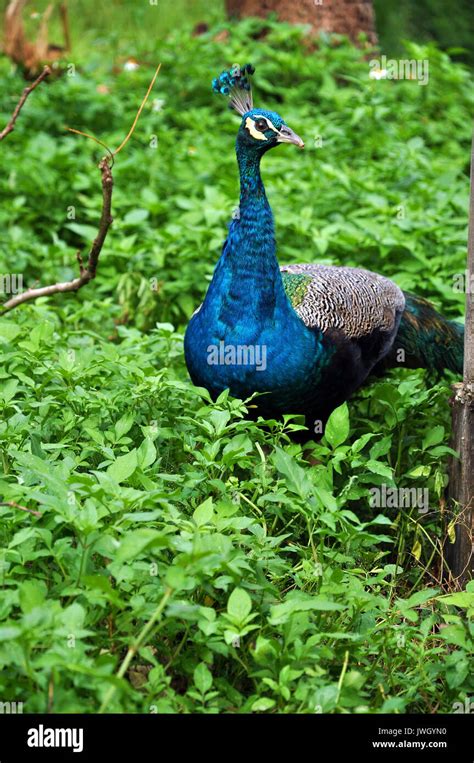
185	558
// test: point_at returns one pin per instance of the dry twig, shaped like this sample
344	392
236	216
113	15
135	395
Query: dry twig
26	92
88	272
14	505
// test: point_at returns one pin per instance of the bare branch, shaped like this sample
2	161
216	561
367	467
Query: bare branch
142	105
14	505
26	92
88	272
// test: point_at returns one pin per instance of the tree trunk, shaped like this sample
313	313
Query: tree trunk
460	555
32	55
349	17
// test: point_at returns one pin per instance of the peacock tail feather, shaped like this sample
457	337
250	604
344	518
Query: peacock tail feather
426	339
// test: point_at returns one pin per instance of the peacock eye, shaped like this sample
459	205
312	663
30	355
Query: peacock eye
261	125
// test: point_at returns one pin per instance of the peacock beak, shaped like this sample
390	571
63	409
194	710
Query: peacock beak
286	135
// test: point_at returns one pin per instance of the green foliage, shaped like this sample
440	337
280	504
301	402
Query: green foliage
426	20
260	576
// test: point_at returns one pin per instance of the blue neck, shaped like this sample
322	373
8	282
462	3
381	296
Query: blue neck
247	280
246	305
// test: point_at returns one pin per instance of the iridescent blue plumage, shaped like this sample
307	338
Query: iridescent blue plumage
235	83
237	77
304	336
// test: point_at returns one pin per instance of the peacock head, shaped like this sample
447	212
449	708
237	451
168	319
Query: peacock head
260	129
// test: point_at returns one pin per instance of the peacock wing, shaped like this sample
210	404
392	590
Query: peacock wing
353	301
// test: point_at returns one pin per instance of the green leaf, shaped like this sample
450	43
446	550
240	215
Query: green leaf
8	331
204	513
296	477
463	599
135	216
123	467
124	424
7	633
302	602
434	436
377	467
202	678
455	634
134	543
338	426
239	605
262	704
32	594
177	578
146	454
381	448
87	232
8	390
420	597
73	617
423	470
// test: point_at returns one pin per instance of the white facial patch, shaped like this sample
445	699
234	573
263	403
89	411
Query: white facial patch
250	125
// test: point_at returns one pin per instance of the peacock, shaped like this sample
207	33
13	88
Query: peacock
306	336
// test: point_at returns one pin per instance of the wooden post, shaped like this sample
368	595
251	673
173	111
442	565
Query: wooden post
460	555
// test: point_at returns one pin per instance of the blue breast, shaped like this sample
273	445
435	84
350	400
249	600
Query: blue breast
279	357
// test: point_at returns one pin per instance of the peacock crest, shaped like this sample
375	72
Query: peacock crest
236	85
